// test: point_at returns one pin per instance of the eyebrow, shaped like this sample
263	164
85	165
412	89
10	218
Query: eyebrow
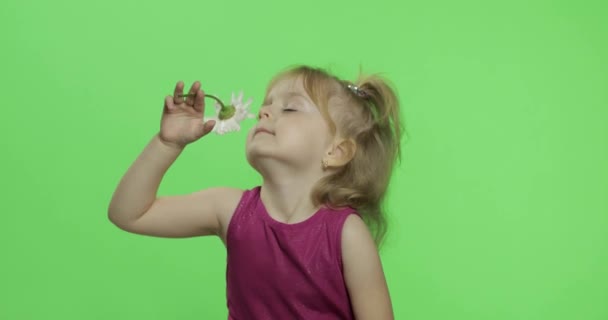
291	94
295	94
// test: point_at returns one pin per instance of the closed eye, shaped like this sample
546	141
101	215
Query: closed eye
289	110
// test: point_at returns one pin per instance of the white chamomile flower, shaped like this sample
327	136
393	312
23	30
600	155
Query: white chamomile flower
227	118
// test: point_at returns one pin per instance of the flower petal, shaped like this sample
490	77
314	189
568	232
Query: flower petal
241	112
225	126
237	99
247	104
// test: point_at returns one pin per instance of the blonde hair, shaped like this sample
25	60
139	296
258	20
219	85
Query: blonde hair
373	123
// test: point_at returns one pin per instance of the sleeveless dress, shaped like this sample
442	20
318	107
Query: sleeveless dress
285	271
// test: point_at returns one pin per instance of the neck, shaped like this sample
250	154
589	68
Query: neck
287	197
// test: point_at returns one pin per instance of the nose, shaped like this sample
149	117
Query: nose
264	112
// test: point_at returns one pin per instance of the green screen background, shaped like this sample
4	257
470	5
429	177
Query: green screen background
499	209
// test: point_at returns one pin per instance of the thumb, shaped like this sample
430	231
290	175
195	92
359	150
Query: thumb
205	127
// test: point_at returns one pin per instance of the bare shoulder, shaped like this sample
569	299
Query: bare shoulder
225	198
355	233
199	213
357	240
363	271
225	201
228	200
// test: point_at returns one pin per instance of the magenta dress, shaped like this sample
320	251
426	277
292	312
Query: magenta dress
285	271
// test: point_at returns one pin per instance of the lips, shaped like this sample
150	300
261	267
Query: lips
258	130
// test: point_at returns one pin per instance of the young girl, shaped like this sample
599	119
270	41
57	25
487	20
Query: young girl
303	245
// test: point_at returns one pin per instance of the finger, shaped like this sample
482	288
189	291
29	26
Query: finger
206	127
199	101
192	94
177	93
169	104
209	126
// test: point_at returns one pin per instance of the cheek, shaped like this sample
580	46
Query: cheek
310	139
295	133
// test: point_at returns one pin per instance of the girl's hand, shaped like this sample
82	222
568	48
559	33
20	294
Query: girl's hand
182	119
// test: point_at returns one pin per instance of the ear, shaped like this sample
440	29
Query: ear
341	152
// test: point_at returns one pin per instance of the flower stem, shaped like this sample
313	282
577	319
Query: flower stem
206	96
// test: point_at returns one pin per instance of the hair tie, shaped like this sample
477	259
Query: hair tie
357	91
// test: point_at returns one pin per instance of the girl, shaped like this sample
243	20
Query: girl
303	245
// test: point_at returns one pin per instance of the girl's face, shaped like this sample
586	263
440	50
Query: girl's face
290	129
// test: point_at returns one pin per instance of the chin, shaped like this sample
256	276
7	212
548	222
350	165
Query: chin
256	160
254	155
259	148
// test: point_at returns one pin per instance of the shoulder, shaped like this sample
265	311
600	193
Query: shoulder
363	272
356	242
356	235
222	199
228	200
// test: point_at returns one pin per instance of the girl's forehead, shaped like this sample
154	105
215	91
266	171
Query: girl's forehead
290	88
287	84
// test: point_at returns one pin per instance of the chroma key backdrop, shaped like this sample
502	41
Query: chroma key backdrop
498	210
